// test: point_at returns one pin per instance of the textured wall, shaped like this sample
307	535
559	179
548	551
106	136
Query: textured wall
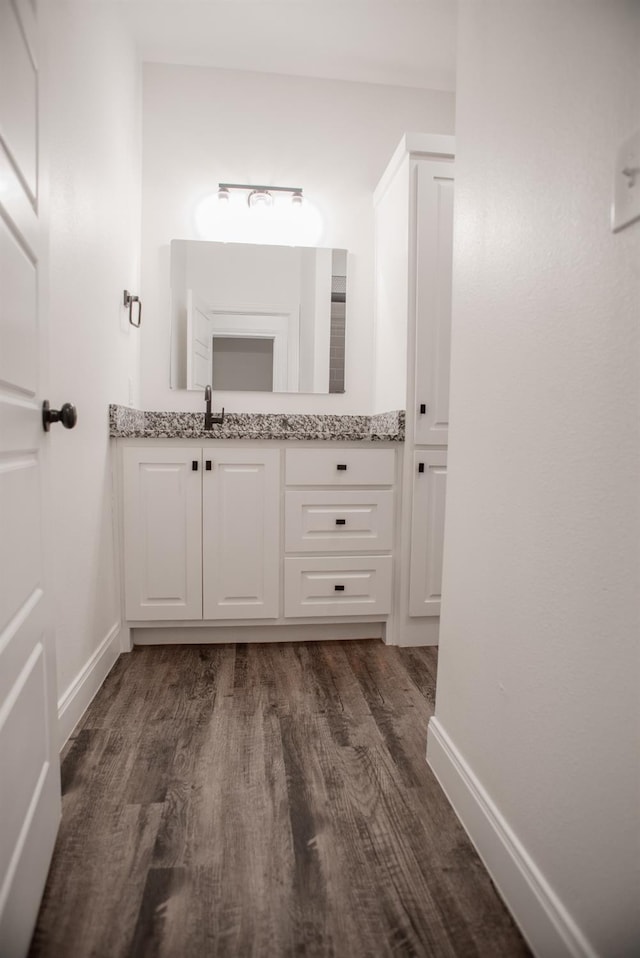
539	667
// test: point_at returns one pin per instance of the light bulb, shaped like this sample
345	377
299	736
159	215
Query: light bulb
260	198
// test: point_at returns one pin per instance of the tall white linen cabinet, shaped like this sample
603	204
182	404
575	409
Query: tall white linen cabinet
413	259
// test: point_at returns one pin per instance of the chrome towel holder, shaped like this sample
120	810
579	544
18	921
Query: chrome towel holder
129	300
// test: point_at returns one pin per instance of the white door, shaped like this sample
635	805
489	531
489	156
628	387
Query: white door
434	256
162	518
29	767
199	336
427	531
241	533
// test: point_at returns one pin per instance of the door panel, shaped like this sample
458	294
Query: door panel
29	769
18	316
22	758
434	258
427	532
20	541
18	93
162	533
241	522
199	336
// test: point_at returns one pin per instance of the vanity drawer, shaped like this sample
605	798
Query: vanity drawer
347	585
340	467
349	520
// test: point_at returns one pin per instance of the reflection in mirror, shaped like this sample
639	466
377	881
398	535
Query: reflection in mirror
257	318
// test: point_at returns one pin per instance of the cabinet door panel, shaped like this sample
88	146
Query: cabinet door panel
427	532
162	533
434	253
241	522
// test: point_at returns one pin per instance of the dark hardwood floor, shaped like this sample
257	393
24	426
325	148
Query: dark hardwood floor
264	800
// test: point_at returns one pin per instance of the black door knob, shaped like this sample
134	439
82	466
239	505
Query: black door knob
67	415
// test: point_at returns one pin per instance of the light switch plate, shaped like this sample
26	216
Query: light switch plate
626	188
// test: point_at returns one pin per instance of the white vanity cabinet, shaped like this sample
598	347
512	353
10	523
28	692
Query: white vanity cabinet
339	509
201	532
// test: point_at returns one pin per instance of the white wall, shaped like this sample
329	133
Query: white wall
90	115
539	658
202	126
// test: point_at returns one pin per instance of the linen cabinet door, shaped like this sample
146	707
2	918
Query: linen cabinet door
427	532
241	533
162	515
434	256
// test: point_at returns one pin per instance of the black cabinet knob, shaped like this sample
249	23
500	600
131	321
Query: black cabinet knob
341	467
339	588
67	415
341	522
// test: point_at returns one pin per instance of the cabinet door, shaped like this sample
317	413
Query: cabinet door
162	516
427	532
241	533
434	249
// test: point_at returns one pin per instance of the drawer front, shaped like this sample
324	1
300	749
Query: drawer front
340	467
349	520
334	585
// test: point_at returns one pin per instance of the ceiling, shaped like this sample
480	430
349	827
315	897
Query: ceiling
372	41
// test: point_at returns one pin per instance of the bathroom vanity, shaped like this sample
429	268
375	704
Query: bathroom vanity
272	527
262	528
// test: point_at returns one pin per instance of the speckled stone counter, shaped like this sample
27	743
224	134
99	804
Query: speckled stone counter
133	423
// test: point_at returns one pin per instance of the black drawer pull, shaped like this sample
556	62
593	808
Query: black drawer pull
341	522
194	465
420	467
207	465
423	408
339	588
341	467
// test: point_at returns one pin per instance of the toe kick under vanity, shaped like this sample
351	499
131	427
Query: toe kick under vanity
266	528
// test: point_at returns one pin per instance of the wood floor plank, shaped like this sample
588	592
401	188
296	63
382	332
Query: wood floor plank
100	870
264	800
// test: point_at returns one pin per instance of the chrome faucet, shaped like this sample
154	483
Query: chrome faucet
209	418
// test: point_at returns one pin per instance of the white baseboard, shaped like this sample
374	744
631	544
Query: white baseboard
542	918
73	703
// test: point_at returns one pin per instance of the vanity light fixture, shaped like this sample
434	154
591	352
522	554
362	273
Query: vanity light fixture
259	195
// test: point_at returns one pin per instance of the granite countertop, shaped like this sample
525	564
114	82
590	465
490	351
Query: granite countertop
125	422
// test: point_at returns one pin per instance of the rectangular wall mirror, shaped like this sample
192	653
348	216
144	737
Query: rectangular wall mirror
257	318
